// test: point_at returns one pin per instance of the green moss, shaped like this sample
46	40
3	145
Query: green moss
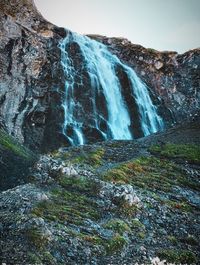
9	143
40	258
118	226
47	258
141	235
150	173
115	244
33	258
137	225
190	240
93	158
37	237
172	239
80	184
185	151
177	256
152	50
182	206
138	229
68	206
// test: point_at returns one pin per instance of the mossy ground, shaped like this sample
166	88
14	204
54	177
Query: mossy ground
7	142
178	256
76	212
151	173
93	158
188	152
68	206
15	161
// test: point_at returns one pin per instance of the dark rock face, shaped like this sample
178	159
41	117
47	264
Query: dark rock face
32	78
173	77
30	74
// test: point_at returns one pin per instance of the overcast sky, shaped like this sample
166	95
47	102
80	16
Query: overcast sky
158	24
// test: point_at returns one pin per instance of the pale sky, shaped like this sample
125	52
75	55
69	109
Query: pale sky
158	24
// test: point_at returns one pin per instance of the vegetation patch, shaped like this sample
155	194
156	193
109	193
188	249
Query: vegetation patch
182	206
115	244
10	144
93	158
177	256
41	258
151	173
80	184
68	206
138	229
37	237
188	152
190	240
117	225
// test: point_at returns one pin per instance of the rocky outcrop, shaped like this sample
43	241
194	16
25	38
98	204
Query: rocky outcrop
173	77
30	74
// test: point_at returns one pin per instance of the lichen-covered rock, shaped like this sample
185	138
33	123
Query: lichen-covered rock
120	194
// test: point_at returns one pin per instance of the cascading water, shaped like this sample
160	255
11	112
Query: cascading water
93	89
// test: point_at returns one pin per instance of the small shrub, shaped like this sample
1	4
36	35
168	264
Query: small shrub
185	151
178	256
115	244
118	226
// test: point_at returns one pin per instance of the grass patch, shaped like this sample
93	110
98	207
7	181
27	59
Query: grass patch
67	206
138	229
37	237
115	244
80	184
93	158
96	240
10	144
189	152
182	206
177	256
150	173
118	226
190	240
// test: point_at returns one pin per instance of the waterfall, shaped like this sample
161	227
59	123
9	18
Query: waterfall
93	93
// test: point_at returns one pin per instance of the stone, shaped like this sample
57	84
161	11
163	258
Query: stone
158	65
120	193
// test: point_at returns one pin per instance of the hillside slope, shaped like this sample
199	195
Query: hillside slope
108	203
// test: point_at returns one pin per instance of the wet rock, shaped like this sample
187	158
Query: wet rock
168	75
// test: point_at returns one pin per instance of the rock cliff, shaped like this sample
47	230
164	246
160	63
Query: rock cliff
30	74
32	78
